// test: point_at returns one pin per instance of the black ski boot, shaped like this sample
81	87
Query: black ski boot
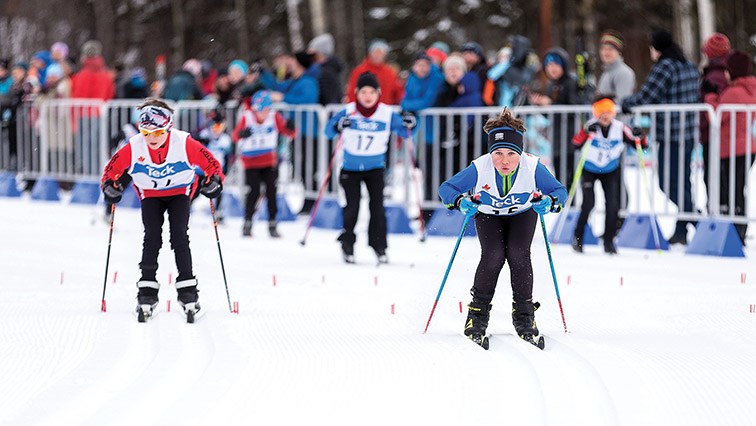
476	324
247	228
609	247
347	247
273	230
188	298
523	319
577	243
147	299
381	255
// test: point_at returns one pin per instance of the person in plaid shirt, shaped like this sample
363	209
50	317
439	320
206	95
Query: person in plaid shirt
672	80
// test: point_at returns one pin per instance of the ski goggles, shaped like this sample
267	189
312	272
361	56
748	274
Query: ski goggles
156	132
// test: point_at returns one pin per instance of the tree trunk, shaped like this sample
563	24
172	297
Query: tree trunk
359	30
684	29
104	27
242	30
295	25
318	17
179	41
706	19
544	27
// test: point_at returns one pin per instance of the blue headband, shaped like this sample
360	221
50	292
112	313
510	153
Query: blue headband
505	137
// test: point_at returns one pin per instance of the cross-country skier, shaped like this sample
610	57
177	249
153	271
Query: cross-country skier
256	135
499	188
365	127
215	138
161	162
607	137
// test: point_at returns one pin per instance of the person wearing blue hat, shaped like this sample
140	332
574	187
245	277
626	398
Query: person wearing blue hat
256	137
499	189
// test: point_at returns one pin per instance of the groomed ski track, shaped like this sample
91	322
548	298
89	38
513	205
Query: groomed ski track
653	339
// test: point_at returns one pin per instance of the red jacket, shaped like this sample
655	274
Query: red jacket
197	154
93	81
269	159
391	89
740	91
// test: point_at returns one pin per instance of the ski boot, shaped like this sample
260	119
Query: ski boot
609	247
273	230
577	243
381	255
247	228
348	253
478	314
188	298
147	299
523	319
347	247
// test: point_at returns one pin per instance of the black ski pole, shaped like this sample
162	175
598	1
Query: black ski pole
220	254
103	305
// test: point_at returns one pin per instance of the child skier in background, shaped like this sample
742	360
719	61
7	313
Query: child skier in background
161	162
607	137
218	142
365	127
256	135
498	188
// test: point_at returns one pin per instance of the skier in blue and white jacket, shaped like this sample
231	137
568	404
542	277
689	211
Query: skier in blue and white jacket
365	127
506	189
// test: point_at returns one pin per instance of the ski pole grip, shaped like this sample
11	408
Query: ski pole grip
537	196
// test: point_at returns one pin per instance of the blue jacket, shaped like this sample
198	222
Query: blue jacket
465	180
300	91
364	163
421	93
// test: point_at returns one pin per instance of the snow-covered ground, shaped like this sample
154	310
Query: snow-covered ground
654	339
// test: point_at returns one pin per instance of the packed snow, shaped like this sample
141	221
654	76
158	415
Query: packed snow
654	338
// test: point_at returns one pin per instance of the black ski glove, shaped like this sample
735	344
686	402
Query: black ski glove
637	131
245	133
211	187
112	191
592	128
343	123
409	120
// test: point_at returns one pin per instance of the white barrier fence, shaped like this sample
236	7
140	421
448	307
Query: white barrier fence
72	139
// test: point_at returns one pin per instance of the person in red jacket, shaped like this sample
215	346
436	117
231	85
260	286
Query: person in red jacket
92	81
161	162
256	135
741	90
375	62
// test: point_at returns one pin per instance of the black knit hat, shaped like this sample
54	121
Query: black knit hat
739	64
367	79
304	59
661	40
505	137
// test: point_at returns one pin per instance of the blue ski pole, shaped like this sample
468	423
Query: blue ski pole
448	268
537	198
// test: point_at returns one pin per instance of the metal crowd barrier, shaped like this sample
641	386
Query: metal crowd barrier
72	139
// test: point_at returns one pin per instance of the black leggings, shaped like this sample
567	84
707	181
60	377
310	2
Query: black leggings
268	176
153	216
505	238
352	184
610	183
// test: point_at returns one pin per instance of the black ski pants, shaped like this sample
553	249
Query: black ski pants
267	176
502	239
610	183
153	216
352	183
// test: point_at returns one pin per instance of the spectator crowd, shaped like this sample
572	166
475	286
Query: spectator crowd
439	76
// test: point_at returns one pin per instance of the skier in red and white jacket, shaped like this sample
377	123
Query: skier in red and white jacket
161	162
256	135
